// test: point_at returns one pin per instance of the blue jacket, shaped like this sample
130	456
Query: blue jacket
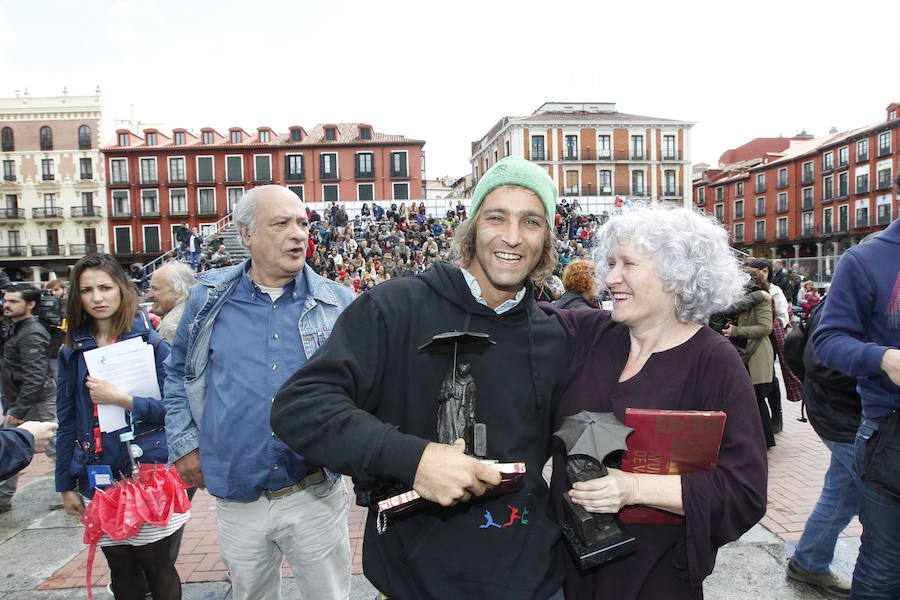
75	437
186	368
862	319
16	451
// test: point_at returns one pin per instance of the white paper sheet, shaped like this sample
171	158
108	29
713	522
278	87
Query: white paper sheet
129	365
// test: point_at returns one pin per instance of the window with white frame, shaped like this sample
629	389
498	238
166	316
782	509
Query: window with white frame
883	210
670	183
264	136
537	148
262	167
843	184
719	211
206	201
328	167
701	196
738	232
828	220
86	168
124	139
235	137
47	169
365	191
828	188
604	147
862	213
234	167
233	195
828	161
844	218
205	169
178	202
637	147
365	165
669	148
151	238
720	193
760	231
739	189
760	183
122	239
781	227
121	203
604	181
293	167
637	183
206	137
148	170
808	223
150	203
179	138
401	191
883	175
760	206
399	167
782	178
807	201
738	209
807	175
844	156
9	170
884	143
571	187
782	203
862	150
297	189
571	147
176	170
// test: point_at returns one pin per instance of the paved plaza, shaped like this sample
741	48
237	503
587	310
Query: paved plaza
42	557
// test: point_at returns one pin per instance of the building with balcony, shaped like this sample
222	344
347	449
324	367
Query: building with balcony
811	200
595	153
158	180
53	185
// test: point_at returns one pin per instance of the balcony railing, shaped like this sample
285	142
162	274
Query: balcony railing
671	155
232	178
671	192
760	211
13	251
12	213
739	237
781	208
809	231
638	155
884	151
52	212
365	175
51	250
759	189
782	183
862	157
806	204
152	211
570	155
827	198
862	189
178	212
842	163
861	223
781	234
403	174
206	210
759	237
150	181
571	190
289	176
79	249
86	212
538	155
884	219
807	179
121	213
842	195
176	180
118	181
604	154
9	178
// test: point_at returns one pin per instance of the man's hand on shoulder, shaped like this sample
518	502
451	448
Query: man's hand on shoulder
447	476
188	467
890	364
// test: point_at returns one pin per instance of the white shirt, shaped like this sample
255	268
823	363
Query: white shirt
475	288
781	304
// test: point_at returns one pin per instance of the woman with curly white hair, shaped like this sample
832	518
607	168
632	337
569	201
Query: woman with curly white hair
667	271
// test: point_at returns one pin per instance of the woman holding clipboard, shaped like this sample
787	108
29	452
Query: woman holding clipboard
100	466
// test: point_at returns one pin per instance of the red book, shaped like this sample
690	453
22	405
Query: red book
669	442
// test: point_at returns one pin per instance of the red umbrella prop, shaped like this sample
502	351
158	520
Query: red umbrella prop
122	509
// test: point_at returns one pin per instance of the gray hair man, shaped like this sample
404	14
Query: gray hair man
244	330
169	286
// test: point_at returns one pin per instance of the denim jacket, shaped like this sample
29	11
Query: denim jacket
187	367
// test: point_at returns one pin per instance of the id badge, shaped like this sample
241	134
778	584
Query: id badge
100	475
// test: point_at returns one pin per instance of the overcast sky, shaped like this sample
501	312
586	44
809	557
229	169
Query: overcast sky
445	72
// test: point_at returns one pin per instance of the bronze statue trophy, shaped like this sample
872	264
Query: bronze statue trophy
456	403
589	437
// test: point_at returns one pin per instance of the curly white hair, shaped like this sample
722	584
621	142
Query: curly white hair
691	253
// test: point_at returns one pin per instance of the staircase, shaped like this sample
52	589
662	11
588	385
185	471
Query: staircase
233	244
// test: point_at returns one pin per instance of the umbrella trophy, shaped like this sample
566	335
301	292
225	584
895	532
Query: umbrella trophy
589	437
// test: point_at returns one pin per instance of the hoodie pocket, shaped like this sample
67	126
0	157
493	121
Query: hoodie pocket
504	547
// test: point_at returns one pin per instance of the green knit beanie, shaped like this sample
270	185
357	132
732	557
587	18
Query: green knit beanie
513	170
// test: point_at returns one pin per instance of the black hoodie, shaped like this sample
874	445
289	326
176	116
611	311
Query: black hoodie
366	405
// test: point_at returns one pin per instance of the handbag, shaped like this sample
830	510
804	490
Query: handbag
749	350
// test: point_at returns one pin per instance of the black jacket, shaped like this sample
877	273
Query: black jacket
16	451
366	404
833	405
27	380
573	301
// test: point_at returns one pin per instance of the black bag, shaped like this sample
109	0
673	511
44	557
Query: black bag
749	350
794	345
882	457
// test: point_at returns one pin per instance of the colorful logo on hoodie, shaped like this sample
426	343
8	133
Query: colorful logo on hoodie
514	515
893	309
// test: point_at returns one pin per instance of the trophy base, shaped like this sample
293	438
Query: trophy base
615	543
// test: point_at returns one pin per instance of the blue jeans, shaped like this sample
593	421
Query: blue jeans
877	572
837	505
195	259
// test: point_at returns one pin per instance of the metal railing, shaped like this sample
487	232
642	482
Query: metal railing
538	156
79	249
12	213
13	251
218	227
50	250
86	211
884	151
44	212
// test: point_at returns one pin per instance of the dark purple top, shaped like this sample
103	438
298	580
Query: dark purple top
704	373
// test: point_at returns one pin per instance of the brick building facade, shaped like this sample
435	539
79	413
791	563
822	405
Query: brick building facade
595	153
157	180
814	199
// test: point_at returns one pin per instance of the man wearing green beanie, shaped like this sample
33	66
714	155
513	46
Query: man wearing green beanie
367	404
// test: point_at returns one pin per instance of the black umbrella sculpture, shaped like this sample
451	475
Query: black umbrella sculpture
589	437
456	399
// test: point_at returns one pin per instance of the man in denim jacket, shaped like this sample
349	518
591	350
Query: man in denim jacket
244	331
